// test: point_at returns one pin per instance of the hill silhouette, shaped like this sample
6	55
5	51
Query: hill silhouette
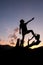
22	54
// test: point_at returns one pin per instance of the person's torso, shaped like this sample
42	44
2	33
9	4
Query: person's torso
24	28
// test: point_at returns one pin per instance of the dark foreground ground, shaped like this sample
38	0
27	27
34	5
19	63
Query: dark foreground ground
21	55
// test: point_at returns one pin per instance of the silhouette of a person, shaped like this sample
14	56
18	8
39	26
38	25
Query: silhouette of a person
23	28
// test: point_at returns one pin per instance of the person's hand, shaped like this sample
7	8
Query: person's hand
33	18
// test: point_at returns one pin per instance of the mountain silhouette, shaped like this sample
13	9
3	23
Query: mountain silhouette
23	54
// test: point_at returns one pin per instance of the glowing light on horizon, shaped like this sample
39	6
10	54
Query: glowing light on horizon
12	39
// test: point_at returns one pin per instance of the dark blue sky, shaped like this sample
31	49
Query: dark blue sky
11	11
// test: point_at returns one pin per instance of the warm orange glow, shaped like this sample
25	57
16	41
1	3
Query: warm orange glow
3	42
25	44
12	39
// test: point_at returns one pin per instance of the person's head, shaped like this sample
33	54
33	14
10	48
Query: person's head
22	21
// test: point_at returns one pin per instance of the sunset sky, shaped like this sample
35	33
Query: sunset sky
11	11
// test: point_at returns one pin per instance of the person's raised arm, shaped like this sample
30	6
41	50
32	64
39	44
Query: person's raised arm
29	20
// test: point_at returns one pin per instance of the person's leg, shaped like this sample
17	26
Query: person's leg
23	37
22	41
30	31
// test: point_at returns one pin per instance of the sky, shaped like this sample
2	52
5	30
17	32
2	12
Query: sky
12	11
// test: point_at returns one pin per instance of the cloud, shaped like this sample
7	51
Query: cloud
16	29
0	39
12	37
